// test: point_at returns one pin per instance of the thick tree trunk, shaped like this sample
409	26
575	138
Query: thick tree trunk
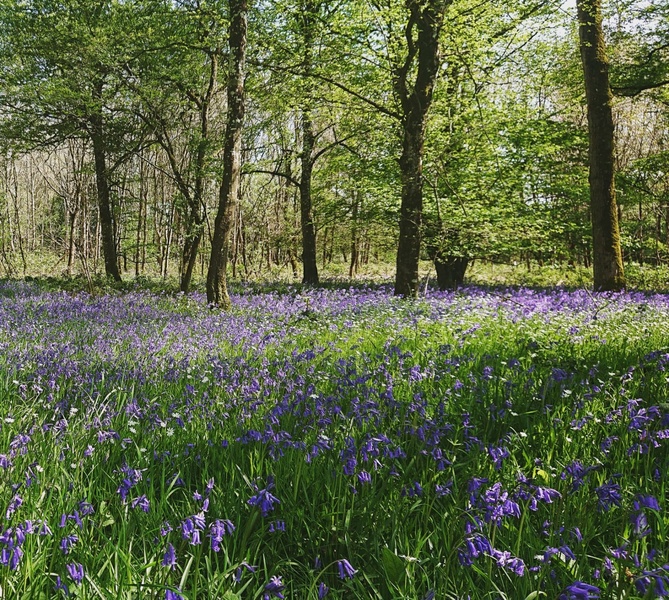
408	250
450	271
217	288
309	265
102	182
606	251
422	34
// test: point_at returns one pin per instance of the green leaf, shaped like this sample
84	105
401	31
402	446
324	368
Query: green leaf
393	565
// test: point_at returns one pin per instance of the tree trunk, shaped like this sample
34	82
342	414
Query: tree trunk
309	266
450	271
190	247
355	260
71	247
422	34
408	250
217	288
606	251
102	181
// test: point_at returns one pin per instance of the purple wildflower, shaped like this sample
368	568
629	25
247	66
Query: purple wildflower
322	590
76	572
579	591
10	556
217	530
141	502
61	586
170	595
364	477
67	543
170	557
264	500
246	566
346	570
643	501
13	506
608	495
443	489
508	561
274	588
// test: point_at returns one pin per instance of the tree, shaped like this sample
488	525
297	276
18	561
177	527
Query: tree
174	74
58	82
217	288
421	57
606	251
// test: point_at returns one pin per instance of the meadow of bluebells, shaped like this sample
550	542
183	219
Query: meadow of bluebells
334	444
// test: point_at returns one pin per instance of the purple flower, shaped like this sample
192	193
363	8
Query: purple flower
274	588
264	500
547	495
322	590
217	530
642	501
640	523
475	545
170	557
239	571
656	581
11	557
364	477
170	595
608	495
67	542
275	526
346	570
443	490
579	591
60	585
498	454
86	508
507	560
76	572
191	528
13	506
141	502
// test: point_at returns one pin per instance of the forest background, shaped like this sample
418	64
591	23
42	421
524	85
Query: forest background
115	115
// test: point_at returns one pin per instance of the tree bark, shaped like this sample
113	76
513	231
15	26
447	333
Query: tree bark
102	183
606	251
450	269
309	259
422	35
217	288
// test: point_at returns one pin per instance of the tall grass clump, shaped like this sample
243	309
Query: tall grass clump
334	443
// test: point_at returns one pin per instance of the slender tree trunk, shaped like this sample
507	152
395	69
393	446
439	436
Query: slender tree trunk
102	181
606	251
217	288
190	247
353	266
422	34
72	217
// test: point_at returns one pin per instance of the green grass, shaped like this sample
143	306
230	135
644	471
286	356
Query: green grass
373	421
